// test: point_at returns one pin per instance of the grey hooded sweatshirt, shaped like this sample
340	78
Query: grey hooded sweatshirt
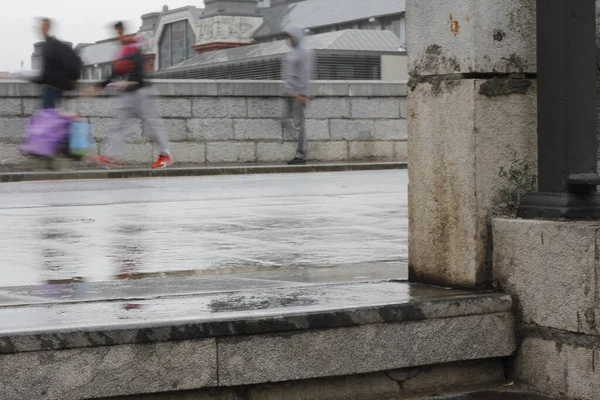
297	65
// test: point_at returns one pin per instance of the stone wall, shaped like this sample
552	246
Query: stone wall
552	270
236	121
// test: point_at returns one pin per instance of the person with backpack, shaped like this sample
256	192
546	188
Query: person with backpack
137	100
61	67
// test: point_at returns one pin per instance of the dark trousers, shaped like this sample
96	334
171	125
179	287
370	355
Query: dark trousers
296	110
50	97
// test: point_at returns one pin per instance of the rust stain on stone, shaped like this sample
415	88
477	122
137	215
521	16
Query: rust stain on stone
454	26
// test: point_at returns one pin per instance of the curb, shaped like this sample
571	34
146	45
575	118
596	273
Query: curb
11	177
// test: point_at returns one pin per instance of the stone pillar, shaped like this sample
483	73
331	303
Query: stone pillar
472	115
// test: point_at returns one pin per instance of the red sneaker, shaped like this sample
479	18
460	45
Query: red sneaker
106	162
163	162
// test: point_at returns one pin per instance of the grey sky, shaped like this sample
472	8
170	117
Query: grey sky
78	21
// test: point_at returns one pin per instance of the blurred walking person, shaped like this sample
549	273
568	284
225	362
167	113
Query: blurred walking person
137	100
61	67
297	71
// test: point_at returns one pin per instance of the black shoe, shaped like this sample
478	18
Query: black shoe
297	161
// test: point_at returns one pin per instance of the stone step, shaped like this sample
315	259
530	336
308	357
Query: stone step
113	348
418	385
470	380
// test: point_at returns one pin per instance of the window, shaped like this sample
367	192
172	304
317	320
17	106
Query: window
367	25
176	44
344	27
394	25
106	71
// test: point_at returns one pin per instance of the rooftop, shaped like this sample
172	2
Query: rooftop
363	41
317	13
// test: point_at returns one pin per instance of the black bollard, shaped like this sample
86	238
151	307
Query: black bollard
567	141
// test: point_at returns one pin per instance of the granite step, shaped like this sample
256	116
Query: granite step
104	348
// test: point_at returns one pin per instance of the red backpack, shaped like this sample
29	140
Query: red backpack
125	64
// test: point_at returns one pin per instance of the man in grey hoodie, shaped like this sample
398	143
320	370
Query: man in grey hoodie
297	70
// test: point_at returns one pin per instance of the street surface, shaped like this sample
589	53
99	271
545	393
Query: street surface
115	230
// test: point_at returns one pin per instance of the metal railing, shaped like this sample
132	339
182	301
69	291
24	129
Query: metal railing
327	67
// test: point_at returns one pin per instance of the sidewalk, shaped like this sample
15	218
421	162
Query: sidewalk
136	171
108	230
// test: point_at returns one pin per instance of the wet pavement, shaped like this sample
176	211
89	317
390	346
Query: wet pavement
196	284
115	230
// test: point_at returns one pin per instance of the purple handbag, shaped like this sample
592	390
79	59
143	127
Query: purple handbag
47	133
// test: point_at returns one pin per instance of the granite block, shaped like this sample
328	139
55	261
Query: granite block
108	371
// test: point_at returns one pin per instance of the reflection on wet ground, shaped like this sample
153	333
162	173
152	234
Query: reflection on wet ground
196	284
105	231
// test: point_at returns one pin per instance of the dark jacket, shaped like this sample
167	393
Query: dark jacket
53	73
131	53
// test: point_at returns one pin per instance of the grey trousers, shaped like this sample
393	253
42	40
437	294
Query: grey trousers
296	111
142	104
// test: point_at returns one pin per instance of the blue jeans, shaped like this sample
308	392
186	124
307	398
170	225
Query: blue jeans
50	97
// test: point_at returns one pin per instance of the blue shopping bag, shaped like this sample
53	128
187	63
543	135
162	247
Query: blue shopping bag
81	138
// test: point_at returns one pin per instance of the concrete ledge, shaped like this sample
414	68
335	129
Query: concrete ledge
238	88
243	313
231	121
6	177
245	338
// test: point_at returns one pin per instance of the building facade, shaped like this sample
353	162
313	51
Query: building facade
172	37
342	55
